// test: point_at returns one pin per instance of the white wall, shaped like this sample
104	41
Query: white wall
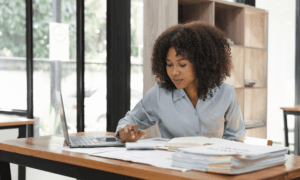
281	64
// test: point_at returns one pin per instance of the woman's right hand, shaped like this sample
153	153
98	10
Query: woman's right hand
130	133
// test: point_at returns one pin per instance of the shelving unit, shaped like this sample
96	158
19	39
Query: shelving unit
247	27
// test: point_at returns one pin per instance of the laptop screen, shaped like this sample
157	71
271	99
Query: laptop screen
62	116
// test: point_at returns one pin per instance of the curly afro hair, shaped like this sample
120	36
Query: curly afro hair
204	45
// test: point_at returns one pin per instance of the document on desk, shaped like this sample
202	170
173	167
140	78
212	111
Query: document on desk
248	151
162	159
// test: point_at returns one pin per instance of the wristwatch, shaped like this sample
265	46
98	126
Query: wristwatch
118	135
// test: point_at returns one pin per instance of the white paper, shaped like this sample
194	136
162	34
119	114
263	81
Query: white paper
59	41
234	148
162	159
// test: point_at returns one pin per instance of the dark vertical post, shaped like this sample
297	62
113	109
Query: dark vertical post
5	170
56	9
286	132
30	128
29	57
29	71
118	61
297	77
80	64
21	169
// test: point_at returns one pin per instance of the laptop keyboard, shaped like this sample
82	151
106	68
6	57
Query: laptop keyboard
84	140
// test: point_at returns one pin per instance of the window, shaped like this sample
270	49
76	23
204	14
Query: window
12	56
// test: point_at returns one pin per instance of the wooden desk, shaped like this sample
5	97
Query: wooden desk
289	110
43	153
12	122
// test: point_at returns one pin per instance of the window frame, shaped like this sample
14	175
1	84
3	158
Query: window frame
115	13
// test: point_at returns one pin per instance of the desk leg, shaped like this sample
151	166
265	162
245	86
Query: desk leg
30	130
5	171
286	130
22	170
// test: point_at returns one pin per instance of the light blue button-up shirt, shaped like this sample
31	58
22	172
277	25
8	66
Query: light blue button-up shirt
219	116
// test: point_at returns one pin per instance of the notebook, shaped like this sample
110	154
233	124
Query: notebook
83	141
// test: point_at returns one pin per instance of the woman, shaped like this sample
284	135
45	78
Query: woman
190	62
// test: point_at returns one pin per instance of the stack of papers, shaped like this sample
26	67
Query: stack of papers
229	158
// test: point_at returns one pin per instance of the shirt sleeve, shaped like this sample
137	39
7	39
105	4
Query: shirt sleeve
234	124
145	113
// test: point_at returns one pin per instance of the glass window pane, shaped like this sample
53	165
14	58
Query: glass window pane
95	65
12	55
136	76
54	38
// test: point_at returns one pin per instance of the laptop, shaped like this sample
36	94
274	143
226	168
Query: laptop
83	141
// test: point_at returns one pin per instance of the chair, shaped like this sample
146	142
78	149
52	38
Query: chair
289	110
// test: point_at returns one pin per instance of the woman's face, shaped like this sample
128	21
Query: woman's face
180	70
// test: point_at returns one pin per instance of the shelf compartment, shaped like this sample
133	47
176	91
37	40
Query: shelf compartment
259	132
237	74
230	19
256	66
255	104
196	11
256	28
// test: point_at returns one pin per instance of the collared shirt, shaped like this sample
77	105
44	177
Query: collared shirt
219	116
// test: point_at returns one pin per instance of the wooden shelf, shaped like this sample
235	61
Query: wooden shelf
256	66
200	11
240	95
237	74
258	132
256	28
189	2
255	87
255	104
230	19
264	49
247	27
253	123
